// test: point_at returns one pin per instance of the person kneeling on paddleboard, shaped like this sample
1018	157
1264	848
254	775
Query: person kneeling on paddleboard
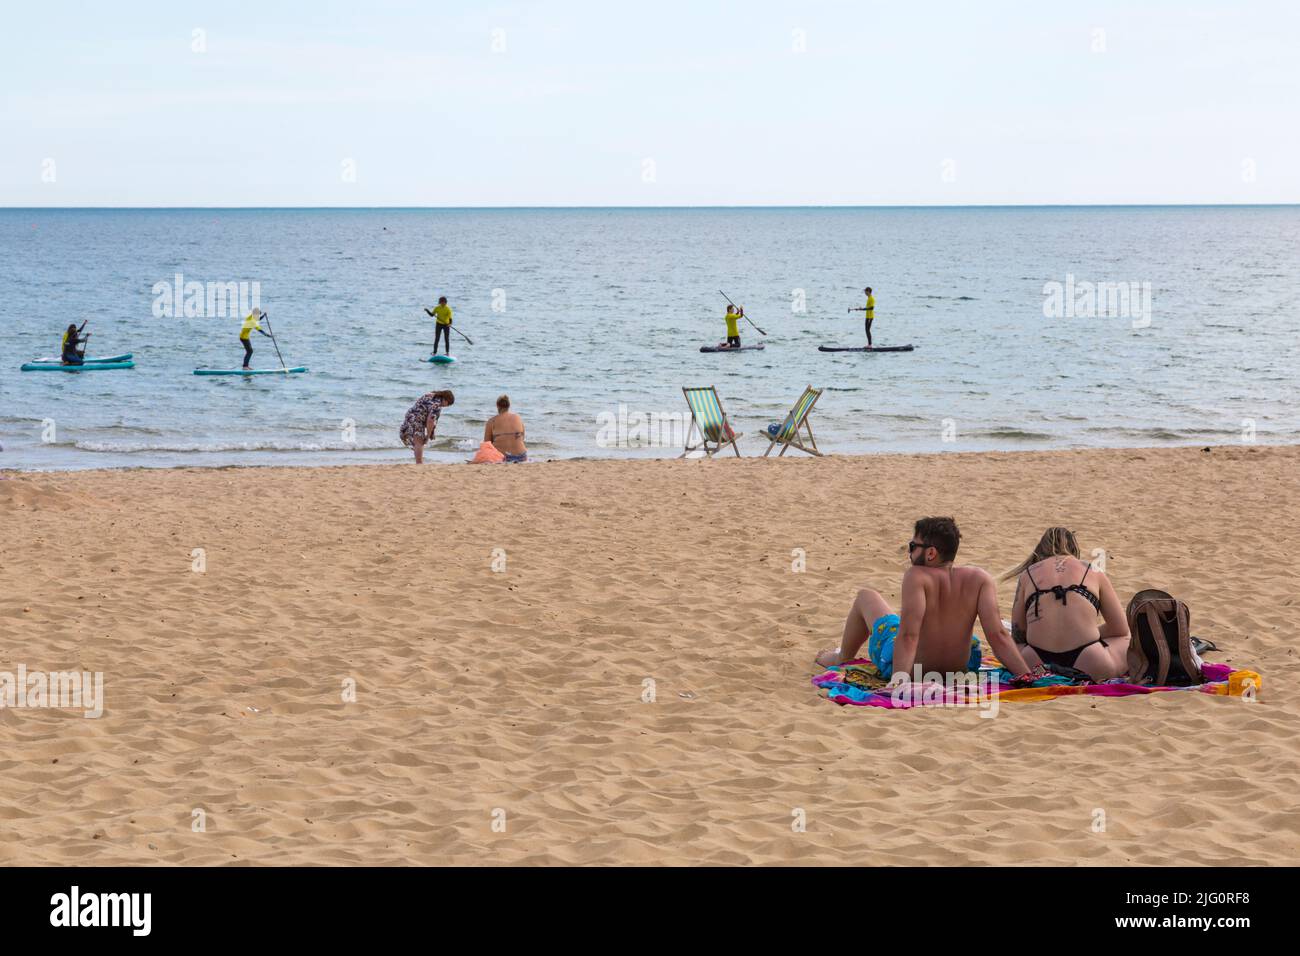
869	311
442	323
422	421
251	325
733	317
70	354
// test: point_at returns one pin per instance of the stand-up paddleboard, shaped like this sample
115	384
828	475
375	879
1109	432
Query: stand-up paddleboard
864	348
440	359
55	360
249	371
731	348
88	367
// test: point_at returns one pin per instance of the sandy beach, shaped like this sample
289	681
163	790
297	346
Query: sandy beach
506	627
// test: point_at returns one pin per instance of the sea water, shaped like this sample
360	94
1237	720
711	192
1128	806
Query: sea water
1035	328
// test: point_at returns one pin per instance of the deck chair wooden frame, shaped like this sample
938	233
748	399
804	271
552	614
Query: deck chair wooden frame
791	433
709	422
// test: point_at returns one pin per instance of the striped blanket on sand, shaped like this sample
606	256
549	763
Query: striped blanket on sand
858	682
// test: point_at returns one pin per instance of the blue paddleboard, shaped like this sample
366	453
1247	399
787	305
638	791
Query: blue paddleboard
55	360
88	367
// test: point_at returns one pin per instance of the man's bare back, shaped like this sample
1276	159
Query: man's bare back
950	597
934	627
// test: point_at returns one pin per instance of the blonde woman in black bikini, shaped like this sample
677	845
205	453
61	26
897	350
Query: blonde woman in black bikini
1054	617
505	430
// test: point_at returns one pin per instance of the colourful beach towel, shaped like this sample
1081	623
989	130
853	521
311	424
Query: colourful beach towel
859	683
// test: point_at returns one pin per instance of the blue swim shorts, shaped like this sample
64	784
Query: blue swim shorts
880	646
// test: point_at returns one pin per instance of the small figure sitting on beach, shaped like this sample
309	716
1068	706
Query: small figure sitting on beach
422	421
932	631
1056	622
505	430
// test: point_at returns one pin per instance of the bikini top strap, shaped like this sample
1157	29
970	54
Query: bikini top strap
1032	599
1086	568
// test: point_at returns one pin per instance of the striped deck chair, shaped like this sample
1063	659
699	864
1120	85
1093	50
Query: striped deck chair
709	421
788	435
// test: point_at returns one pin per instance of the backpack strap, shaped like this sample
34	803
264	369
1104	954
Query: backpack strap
1169	621
1186	653
1158	673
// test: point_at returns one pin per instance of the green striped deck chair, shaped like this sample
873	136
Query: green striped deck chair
789	434
709	422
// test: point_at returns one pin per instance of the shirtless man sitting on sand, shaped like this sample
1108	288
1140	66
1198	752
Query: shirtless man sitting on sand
940	604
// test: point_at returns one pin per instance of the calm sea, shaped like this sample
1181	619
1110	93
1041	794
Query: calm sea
592	319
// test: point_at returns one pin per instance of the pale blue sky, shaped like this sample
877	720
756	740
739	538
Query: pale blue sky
1188	102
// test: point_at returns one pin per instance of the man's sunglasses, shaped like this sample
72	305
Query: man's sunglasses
913	545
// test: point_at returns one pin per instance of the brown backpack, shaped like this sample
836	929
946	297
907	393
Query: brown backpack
1160	650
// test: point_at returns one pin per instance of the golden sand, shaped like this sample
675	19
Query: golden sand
505	628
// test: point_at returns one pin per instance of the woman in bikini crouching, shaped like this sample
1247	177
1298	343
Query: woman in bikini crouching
505	430
1054	617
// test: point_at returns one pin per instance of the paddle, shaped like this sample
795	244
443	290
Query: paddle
270	331
425	345
742	315
83	340
456	330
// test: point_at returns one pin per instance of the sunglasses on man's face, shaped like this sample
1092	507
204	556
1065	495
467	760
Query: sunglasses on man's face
913	545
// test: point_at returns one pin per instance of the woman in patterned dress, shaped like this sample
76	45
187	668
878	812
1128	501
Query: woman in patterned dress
422	420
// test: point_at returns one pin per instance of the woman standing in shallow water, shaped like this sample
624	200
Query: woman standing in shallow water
422	421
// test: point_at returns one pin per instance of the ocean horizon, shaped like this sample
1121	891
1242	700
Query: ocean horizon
793	207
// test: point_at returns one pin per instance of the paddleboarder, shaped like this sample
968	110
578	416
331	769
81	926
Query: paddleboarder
441	314
251	325
70	354
734	315
869	311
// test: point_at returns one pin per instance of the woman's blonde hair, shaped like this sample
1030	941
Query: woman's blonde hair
1055	541
503	402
